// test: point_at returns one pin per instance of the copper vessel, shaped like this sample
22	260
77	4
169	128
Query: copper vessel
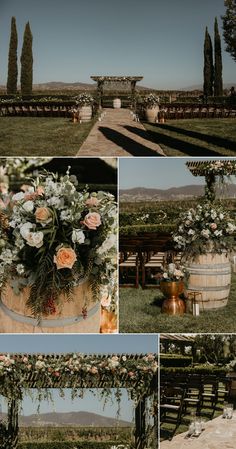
173	304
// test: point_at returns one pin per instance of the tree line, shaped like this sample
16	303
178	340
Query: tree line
26	75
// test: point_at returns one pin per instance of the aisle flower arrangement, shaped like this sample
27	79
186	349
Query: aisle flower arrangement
151	100
84	99
203	229
53	237
172	273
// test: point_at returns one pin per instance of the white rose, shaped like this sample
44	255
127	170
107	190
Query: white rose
28	206
78	236
35	239
18	196
205	233
25	229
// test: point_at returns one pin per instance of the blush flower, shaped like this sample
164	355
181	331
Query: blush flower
92	201
65	258
92	220
43	215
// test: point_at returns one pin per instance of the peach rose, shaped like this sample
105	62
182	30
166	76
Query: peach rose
92	220
65	258
43	215
92	201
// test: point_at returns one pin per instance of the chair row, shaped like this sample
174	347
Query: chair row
186	395
144	267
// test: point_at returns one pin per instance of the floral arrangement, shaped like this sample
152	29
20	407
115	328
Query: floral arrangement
203	229
84	99
151	100
54	236
78	371
172	273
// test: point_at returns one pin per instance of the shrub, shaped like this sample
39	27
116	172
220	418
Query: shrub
178	360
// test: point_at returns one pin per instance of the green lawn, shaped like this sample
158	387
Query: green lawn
38	136
140	311
197	137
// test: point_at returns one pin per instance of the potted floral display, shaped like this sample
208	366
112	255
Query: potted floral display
205	237
172	285
57	256
83	107
151	105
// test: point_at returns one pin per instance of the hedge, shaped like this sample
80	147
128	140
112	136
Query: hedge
197	369
71	445
177	360
141	229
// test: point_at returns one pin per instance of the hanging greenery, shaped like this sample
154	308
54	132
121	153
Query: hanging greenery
77	371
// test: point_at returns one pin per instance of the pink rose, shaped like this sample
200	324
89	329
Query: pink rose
92	220
92	201
65	258
213	226
106	300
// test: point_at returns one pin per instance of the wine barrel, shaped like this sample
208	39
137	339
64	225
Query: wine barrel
151	114
85	113
16	317
117	103
210	274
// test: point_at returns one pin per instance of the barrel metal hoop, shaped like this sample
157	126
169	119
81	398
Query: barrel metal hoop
209	289
47	323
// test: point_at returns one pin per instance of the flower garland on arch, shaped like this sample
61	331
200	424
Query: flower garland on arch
76	371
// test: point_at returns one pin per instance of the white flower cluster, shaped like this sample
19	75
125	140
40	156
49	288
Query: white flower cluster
151	100
173	272
84	99
204	224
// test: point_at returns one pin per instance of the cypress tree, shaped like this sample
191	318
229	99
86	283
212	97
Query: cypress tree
229	27
26	79
12	60
218	82
208	66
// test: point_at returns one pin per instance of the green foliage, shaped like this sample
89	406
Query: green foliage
208	66
218	81
27	62
170	360
142	229
229	26
12	60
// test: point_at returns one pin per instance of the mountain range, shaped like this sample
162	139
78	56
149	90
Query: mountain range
74	419
60	85
173	193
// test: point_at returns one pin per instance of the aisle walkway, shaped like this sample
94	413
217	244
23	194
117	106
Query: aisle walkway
219	434
119	135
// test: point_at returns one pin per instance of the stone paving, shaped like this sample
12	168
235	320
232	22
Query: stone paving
117	134
218	434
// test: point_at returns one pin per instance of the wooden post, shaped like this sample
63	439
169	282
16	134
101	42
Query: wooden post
140	425
13	428
100	93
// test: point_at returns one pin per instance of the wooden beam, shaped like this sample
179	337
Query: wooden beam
140	424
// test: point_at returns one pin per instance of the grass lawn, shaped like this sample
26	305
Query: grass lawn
40	136
140	311
197	137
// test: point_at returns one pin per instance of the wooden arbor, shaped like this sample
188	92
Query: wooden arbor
21	372
121	80
211	170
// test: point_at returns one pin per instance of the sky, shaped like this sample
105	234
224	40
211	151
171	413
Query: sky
159	173
90	344
74	39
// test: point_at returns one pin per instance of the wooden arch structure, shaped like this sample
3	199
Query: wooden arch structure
103	80
21	372
211	170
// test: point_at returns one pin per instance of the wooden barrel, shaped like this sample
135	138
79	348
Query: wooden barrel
210	274
151	114
15	317
117	103
85	113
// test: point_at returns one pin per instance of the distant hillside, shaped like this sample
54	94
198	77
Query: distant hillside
81	419
174	193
